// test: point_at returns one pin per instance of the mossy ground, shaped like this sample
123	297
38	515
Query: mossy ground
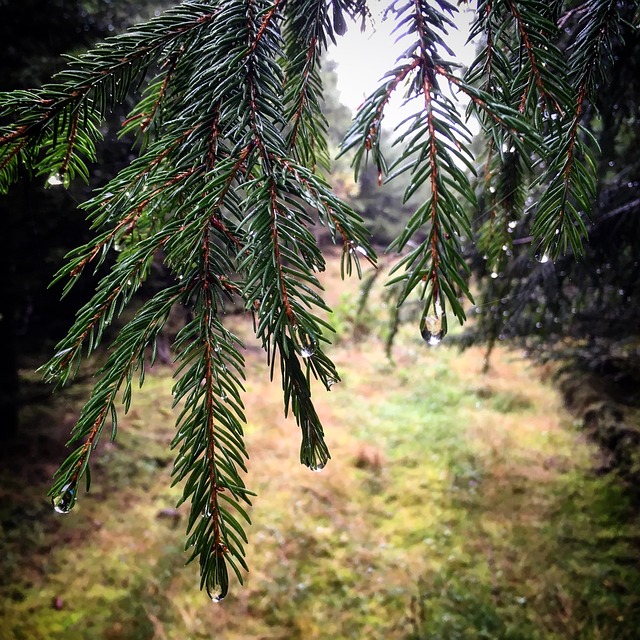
458	505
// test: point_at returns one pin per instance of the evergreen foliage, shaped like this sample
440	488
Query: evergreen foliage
228	182
586	308
40	221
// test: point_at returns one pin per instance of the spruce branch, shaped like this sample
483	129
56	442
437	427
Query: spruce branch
224	191
89	88
210	456
523	34
127	358
434	142
305	39
562	213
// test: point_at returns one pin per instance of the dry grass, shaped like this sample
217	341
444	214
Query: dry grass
457	505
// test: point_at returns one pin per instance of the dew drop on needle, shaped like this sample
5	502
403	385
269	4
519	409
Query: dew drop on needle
216	593
542	257
306	344
55	180
432	329
65	500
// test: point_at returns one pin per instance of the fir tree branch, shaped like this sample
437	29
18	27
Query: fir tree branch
559	223
109	64
224	192
126	358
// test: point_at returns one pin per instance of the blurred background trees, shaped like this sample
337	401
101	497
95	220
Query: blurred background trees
40	225
587	305
586	308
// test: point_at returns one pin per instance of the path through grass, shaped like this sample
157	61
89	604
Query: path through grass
458	505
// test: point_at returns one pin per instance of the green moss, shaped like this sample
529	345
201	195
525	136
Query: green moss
448	511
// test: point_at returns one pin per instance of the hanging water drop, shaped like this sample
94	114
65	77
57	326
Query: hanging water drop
55	180
353	249
331	382
217	593
307	352
318	467
542	257
432	327
305	343
339	24
65	500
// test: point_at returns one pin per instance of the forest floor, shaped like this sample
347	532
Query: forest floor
457	505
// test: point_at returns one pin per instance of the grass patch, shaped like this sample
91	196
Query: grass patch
458	505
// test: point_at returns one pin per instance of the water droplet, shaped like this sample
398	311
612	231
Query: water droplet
318	467
55	180
305	343
542	257
216	593
306	352
512	225
353	249
432	327
65	500
223	396
330	382
494	274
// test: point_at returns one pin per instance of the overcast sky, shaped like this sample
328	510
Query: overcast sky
363	58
